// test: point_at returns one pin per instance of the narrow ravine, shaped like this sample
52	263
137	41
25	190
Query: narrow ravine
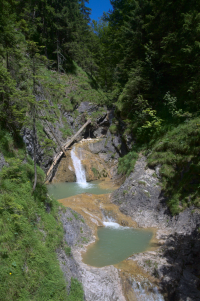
102	258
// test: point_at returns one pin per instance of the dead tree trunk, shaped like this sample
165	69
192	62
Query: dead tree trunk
34	151
65	146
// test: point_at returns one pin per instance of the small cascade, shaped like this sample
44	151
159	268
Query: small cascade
79	170
145	291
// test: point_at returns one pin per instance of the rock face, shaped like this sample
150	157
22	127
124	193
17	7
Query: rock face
94	166
44	161
112	145
140	196
176	263
65	171
99	284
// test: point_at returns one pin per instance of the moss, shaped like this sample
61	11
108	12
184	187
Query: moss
84	239
142	183
75	215
103	173
95	172
67	250
147	193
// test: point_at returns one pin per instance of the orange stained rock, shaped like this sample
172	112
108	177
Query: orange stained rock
91	207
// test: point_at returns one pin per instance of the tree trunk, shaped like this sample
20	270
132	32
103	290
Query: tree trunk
7	60
65	146
34	151
34	130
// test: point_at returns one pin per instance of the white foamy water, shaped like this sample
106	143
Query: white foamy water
146	292
111	225
79	170
114	225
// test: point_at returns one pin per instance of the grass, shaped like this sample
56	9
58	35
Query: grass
178	154
66	132
142	183
76	291
29	235
67	250
127	163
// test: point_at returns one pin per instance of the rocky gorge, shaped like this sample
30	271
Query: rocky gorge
170	269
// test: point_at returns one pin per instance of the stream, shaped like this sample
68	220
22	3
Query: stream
114	243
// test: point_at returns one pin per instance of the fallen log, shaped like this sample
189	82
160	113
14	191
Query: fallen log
64	148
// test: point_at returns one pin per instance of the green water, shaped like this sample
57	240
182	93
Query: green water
116	244
65	190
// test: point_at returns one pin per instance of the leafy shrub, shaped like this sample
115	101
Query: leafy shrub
95	172
113	128
127	163
178	154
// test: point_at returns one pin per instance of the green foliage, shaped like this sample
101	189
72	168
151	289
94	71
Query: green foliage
66	132
97	114
177	153
29	235
76	291
127	163
170	102
142	183
67	250
75	215
113	129
95	172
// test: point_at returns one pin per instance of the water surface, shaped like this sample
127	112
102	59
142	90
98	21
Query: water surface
67	189
115	244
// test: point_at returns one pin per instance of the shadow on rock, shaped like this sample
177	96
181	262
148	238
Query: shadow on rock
181	278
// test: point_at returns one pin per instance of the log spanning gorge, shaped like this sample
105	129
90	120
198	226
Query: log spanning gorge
104	255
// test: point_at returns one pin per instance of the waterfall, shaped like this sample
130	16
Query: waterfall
79	170
146	292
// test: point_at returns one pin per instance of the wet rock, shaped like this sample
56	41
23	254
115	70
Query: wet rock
65	171
99	284
124	223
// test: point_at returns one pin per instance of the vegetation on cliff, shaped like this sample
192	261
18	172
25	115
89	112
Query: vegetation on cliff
142	58
30	232
151	53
